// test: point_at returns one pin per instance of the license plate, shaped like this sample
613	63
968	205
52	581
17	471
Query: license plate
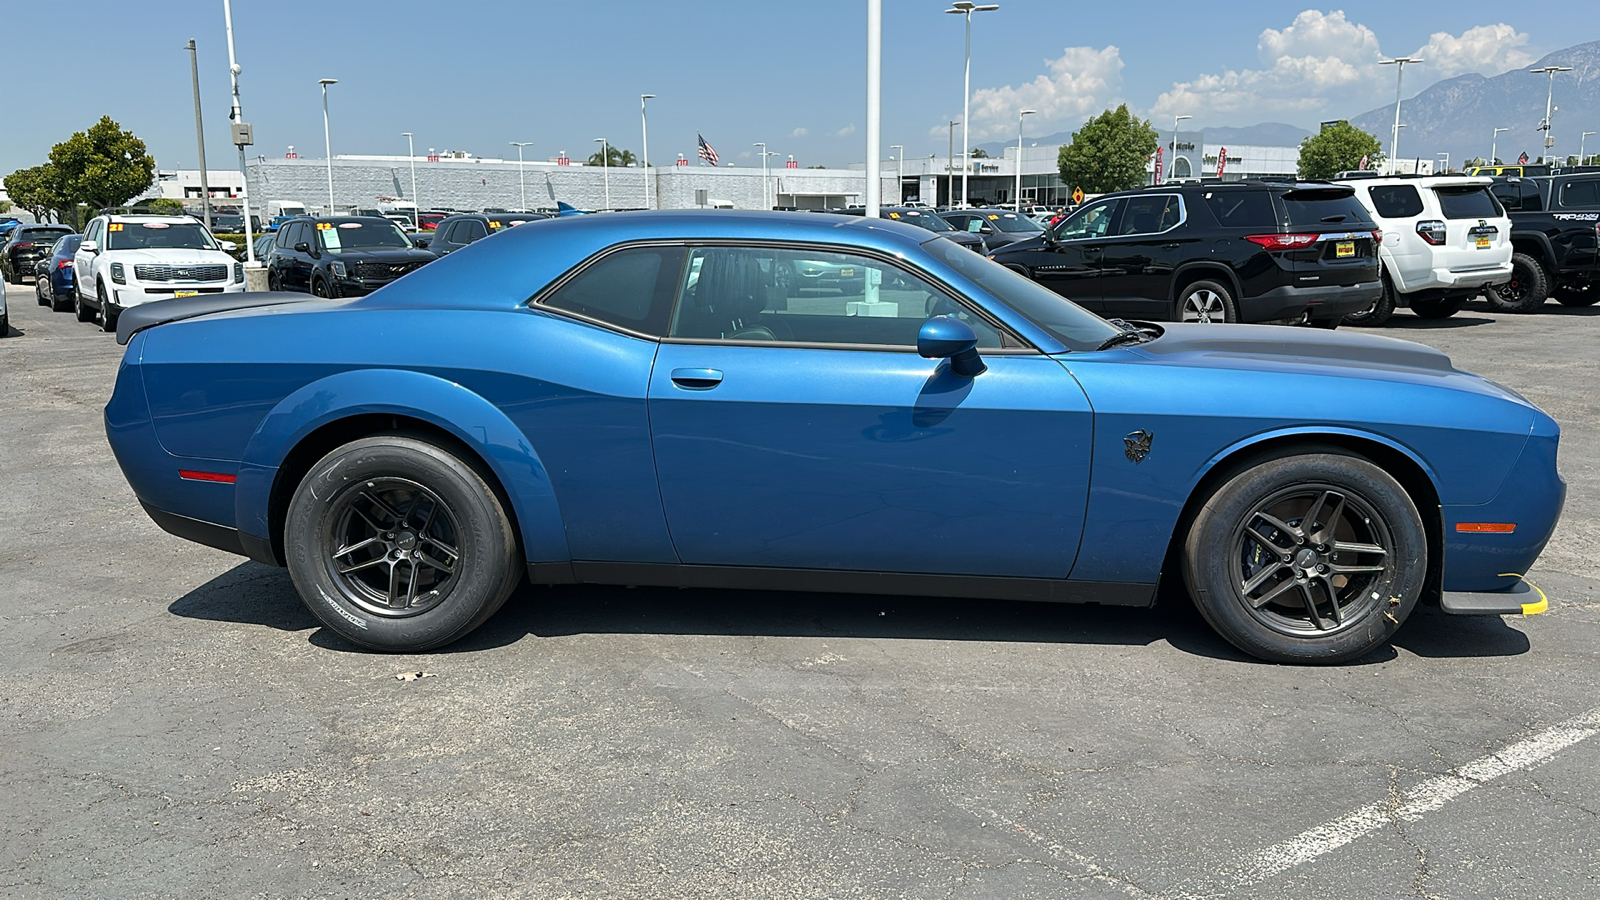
1482	241
1344	249
846	273
185	293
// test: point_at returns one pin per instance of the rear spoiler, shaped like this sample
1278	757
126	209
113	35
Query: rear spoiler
148	315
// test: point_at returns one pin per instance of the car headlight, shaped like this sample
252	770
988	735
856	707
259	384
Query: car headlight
238	273
117	275
338	268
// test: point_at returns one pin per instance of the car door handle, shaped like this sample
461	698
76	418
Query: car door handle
1172	246
697	379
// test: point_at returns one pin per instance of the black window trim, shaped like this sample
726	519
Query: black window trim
537	301
1183	216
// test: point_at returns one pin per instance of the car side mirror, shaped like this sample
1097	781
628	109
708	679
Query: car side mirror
89	247
302	247
943	337
229	246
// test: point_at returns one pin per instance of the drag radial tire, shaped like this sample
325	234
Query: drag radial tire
1527	289
399	546
1376	314
1438	308
1312	558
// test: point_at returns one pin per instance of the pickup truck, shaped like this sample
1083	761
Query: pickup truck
1555	232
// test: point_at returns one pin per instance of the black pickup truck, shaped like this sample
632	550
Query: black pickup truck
1555	230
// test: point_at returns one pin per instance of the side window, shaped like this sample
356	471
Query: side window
1242	209
1092	221
281	239
1581	194
469	230
442	233
1508	195
94	231
1150	214
1531	200
816	296
1396	201
629	288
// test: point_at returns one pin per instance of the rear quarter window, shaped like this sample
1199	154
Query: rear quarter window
1242	209
1581	194
1467	203
1317	209
630	288
1396	201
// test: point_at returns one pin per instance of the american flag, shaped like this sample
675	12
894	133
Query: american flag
706	152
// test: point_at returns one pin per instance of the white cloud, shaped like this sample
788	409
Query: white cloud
1486	49
798	132
1323	64
1078	83
845	131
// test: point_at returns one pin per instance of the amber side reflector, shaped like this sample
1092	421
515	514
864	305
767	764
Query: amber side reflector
218	477
1487	527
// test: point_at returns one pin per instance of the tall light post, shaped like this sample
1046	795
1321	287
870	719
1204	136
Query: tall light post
416	207
1581	138
950	164
242	138
1173	159
327	140
1549	101
764	155
522	184
644	161
967	8
874	196
200	134
1494	147
1018	197
1446	158
605	166
899	171
1399	63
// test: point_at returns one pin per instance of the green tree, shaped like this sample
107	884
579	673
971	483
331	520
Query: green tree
1108	153
617	158
5	207
34	189
163	205
102	167
979	153
1338	148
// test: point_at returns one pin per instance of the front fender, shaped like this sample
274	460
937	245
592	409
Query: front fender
470	418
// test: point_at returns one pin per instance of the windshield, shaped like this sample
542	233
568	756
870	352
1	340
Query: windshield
336	237
1071	324
159	236
917	217
1013	223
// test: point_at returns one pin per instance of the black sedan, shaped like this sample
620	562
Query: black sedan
997	227
927	218
457	231
341	256
26	245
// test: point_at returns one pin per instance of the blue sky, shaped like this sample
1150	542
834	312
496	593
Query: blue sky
476	74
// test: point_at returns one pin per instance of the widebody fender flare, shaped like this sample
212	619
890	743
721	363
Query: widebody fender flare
445	404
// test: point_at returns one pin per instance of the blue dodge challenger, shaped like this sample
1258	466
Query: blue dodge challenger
667	399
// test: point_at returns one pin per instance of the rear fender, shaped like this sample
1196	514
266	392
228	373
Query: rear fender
449	406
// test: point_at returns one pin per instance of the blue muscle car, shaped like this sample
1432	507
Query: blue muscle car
655	398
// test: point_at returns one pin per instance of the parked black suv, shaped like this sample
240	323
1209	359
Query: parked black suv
340	256
26	245
457	231
1246	251
1555	230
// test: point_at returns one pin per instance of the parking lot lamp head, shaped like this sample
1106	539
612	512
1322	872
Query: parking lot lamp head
967	8
327	140
1399	63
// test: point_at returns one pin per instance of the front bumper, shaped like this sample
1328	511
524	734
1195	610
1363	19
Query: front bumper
1480	556
124	296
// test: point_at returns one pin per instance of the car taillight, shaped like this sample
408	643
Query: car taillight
23	245
1377	236
64	264
1431	231
1282	241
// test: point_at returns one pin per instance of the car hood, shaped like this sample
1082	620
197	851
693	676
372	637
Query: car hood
171	257
384	256
1035	242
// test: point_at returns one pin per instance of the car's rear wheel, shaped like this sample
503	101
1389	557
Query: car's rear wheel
106	319
398	545
1206	302
1527	289
1574	296
1438	307
1376	314
1311	558
83	312
40	284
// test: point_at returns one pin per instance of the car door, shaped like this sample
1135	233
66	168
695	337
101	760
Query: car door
469	230
83	261
1138	261
1070	264
812	435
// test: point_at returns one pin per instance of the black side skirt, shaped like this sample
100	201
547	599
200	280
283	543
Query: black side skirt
912	584
210	534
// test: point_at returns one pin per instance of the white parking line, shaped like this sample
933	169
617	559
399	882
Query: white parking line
1415	802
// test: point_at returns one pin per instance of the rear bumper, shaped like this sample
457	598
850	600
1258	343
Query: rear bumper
1322	302
1461	279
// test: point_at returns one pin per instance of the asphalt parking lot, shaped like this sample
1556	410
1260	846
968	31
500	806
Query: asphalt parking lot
174	724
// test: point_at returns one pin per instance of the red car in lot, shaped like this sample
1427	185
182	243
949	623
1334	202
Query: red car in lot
430	221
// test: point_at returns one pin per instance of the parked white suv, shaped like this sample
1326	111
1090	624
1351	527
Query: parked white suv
126	260
1445	239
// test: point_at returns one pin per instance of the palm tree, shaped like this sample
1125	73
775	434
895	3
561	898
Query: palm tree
619	158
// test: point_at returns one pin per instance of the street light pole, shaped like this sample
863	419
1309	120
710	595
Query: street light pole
1494	147
1581	139
763	146
327	140
1446	157
522	183
899	172
1549	100
645	161
950	165
237	116
1018	198
416	207
1399	62
967	8
1172	160
605	166
200	134
874	196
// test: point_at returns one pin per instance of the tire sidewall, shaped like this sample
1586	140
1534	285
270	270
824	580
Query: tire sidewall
487	572
1537	286
1230	311
1208	570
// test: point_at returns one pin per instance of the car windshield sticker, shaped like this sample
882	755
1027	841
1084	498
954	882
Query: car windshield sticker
114	226
494	225
155	224
993	217
349	224
894	215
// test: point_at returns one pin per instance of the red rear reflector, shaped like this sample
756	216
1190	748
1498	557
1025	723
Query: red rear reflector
1487	527
1282	241
218	477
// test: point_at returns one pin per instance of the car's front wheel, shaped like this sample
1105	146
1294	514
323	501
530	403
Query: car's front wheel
1311	558
1208	302
79	308
398	545
1527	289
106	318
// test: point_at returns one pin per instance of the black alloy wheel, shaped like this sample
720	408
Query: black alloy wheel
1527	289
319	288
398	545
1316	558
